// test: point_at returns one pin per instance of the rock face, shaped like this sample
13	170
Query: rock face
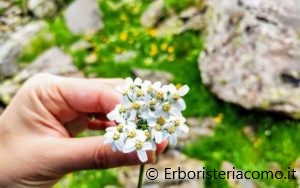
83	16
154	12
53	61
11	48
153	76
43	8
253	54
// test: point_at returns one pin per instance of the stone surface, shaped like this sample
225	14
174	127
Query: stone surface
83	16
11	48
189	19
128	176
234	182
53	61
154	76
153	13
42	8
252	55
125	56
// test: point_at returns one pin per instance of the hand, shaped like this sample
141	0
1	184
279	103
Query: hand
36	131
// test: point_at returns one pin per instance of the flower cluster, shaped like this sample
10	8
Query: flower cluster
148	114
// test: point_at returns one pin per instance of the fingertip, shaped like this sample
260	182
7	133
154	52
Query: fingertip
161	147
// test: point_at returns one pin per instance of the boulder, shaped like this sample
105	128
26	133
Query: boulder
83	17
252	55
42	8
153	75
11	48
53	61
153	14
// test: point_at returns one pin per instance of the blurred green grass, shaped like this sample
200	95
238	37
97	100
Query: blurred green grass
277	138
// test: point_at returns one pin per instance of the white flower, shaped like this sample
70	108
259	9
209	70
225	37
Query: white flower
179	123
115	137
177	95
149	114
141	146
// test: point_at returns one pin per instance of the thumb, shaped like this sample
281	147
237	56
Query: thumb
92	153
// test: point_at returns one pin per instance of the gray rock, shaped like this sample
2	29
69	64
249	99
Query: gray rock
189	19
125	56
199	128
42	8
128	176
153	76
9	53
53	61
12	47
234	182
252	55
80	45
153	13
83	16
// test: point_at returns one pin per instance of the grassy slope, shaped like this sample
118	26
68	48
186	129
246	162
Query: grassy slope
123	33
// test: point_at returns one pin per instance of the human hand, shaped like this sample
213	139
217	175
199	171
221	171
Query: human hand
36	131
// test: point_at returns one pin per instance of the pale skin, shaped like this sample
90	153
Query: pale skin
37	129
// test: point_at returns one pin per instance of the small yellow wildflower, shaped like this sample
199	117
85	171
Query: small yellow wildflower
118	50
123	17
164	47
171	58
219	118
148	61
153	50
123	36
171	49
92	58
152	32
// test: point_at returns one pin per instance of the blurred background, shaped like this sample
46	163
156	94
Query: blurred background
241	59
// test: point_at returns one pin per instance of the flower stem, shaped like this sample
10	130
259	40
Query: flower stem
141	175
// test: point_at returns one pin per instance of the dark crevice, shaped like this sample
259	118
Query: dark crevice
264	19
289	79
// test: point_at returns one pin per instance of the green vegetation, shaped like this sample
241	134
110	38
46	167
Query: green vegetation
276	138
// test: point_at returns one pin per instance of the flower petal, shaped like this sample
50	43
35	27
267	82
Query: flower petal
173	139
148	146
142	155
158	137
119	145
183	90
184	128
128	149
181	104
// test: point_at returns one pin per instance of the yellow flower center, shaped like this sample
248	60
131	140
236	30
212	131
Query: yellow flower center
159	95
122	109
131	86
120	127
150	89
152	102
135	105
161	121
166	107
139	93
125	92
172	129
116	136
148	135
158	127
139	145
177	122
131	134
176	96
